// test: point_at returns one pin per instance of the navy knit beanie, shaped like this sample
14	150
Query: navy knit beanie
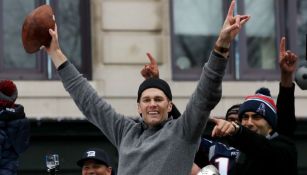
164	87
262	105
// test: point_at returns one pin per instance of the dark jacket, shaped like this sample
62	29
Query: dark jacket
286	123
260	155
274	155
14	138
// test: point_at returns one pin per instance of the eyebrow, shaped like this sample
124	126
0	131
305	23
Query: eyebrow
252	115
256	115
156	96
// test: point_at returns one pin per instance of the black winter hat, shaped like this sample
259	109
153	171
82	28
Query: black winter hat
155	83
234	109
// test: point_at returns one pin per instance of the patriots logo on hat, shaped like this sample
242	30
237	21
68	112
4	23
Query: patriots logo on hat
91	153
261	109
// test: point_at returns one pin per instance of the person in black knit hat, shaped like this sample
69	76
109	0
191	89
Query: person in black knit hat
232	113
154	143
213	151
14	128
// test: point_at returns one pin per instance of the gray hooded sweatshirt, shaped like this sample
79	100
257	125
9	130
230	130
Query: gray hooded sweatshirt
167	149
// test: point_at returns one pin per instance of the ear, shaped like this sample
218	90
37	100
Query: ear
170	106
139	108
269	129
109	170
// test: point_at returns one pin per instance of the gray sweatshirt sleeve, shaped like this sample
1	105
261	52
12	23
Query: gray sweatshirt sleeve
205	97
94	108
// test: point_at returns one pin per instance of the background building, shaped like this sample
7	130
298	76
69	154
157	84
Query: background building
108	39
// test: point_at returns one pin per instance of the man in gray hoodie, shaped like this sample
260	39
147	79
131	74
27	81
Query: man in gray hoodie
155	144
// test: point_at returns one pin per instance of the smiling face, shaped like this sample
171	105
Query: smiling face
154	106
91	167
256	123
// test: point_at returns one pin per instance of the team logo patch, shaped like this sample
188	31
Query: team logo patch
91	153
261	109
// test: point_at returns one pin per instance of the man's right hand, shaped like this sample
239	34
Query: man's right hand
231	27
222	128
54	49
287	64
150	70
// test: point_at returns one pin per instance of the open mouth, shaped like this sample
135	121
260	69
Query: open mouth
153	113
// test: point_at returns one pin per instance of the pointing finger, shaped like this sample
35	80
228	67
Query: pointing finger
231	8
282	46
151	59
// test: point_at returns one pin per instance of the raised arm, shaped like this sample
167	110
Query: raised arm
208	91
285	100
94	107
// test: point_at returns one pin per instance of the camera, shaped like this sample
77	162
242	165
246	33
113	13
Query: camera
301	73
301	76
52	163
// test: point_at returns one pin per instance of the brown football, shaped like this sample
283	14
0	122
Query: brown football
35	29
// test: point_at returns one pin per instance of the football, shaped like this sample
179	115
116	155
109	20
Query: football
35	29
